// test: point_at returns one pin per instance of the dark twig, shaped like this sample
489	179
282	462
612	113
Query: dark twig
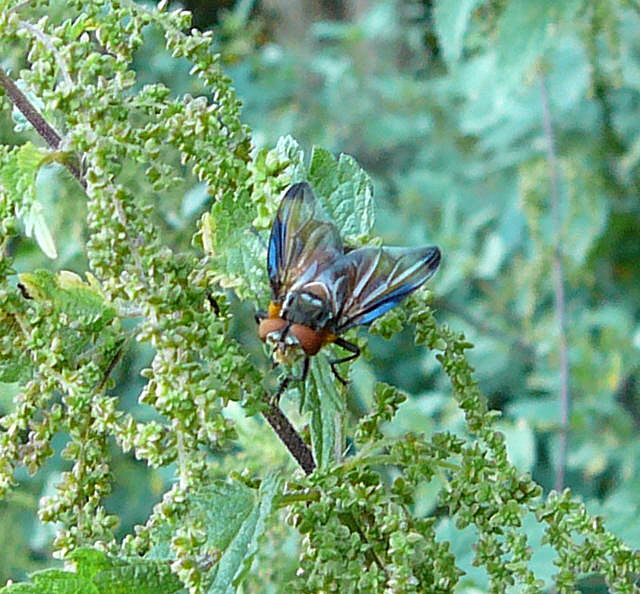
289	437
42	127
558	282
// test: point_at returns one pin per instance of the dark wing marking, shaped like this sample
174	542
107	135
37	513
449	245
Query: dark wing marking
377	279
301	243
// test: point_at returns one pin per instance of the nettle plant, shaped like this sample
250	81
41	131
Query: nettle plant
238	491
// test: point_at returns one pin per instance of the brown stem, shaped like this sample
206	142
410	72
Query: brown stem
290	437
42	127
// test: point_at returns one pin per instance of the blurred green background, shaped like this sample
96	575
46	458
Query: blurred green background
443	104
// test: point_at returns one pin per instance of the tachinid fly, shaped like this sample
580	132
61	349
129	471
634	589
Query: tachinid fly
320	289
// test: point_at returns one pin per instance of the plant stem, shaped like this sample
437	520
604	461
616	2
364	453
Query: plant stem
289	437
558	282
42	127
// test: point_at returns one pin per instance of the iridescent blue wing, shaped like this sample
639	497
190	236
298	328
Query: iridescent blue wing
372	280
302	243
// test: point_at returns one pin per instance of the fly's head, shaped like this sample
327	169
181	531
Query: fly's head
290	340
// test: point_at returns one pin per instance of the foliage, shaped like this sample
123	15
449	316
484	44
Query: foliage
444	107
97	572
429	501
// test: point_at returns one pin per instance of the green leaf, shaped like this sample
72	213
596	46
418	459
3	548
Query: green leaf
345	191
620	512
238	254
542	412
290	153
97	573
139	576
35	225
15	364
225	508
326	406
19	170
452	20
53	581
88	562
19	175
568	79
588	209
69	293
236	519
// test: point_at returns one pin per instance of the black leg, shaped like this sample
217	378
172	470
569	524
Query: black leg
355	353
305	369
260	315
213	303
290	378
283	386
23	291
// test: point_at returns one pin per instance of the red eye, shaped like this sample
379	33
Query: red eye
310	340
269	325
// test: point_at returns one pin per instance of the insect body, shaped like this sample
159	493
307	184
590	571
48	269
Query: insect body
320	289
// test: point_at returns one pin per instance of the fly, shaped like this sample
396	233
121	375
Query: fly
320	289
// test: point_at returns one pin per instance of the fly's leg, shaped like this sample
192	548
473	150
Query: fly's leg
213	302
305	370
290	378
284	384
355	353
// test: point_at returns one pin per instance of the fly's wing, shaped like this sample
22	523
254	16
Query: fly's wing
301	244
376	279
